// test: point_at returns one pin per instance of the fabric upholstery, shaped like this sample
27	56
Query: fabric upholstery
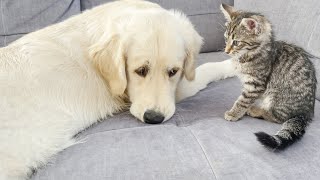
316	63
296	22
21	17
197	143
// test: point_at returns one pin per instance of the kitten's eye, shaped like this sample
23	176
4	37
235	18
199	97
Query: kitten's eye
235	43
142	71
173	72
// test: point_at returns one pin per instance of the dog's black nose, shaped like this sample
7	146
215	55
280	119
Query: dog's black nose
152	117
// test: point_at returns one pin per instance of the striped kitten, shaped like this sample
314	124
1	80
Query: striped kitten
279	81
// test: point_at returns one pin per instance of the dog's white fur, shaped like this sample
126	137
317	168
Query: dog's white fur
59	80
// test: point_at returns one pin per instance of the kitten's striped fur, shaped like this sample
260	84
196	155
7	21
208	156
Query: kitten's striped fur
279	81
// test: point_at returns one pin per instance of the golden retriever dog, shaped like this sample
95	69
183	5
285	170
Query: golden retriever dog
61	79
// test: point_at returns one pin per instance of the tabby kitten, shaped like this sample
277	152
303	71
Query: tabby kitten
279	81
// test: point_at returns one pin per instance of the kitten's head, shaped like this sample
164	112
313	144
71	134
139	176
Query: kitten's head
245	31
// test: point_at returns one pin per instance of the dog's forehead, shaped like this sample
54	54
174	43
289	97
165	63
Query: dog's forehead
158	50
155	61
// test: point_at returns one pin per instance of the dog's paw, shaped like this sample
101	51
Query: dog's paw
230	116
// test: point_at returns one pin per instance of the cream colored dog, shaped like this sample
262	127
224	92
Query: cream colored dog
59	80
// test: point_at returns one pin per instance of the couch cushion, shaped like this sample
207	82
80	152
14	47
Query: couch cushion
197	143
21	17
296	22
205	15
149	152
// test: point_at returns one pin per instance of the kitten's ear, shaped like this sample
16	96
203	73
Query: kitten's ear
251	24
227	11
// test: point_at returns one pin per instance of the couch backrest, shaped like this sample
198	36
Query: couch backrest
21	17
293	21
204	14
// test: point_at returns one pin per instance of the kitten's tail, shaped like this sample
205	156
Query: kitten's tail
291	131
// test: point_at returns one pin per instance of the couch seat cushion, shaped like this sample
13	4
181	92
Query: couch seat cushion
197	143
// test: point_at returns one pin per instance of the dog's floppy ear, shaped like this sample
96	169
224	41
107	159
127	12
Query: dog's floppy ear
193	45
108	56
193	42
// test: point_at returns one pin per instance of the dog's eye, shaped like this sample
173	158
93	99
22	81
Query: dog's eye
173	72
142	71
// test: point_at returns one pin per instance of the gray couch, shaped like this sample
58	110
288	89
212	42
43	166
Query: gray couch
197	143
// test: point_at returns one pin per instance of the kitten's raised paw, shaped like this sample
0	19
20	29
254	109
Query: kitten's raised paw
229	116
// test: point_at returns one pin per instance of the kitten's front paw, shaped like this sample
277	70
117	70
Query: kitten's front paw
230	116
254	112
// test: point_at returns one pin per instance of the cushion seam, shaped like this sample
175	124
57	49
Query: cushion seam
14	34
121	129
196	139
203	151
202	14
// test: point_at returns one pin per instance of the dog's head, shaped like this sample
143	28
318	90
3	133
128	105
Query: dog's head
146	56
